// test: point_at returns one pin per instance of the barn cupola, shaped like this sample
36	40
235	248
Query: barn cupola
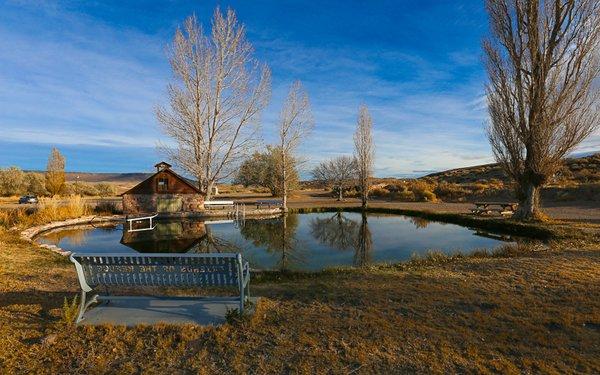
162	166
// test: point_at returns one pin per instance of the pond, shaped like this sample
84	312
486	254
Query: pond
303	242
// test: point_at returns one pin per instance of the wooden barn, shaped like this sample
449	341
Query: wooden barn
163	192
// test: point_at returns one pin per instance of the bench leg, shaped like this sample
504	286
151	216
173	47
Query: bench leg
84	305
242	300
81	308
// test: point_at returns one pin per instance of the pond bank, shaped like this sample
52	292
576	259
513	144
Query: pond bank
537	231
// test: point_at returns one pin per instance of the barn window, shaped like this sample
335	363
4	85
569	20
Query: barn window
163	184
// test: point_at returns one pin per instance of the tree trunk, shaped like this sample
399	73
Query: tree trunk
364	194
529	203
203	186
209	187
340	194
284	178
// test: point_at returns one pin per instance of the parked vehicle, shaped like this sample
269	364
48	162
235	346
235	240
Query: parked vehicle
28	199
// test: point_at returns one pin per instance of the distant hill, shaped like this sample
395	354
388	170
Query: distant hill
107	177
584	169
580	170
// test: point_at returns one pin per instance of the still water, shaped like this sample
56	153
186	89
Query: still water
306	242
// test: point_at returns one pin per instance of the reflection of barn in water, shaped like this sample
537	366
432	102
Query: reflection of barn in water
167	237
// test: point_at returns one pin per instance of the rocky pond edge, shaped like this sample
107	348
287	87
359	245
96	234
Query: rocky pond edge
30	233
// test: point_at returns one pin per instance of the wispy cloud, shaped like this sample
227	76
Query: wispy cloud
88	75
80	84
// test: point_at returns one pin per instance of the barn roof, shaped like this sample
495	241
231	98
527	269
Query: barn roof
162	165
165	170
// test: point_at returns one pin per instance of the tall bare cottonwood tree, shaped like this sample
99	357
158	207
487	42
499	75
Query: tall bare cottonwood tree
55	172
542	61
215	100
365	152
295	123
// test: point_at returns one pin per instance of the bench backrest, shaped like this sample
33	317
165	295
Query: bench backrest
158	269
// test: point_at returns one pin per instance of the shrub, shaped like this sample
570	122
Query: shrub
34	183
405	196
69	311
451	192
48	210
105	190
107	208
423	191
12	181
379	192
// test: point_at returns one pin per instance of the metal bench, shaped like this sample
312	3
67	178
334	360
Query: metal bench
160	270
268	203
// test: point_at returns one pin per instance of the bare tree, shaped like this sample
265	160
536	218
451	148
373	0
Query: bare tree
55	172
215	99
338	173
365	152
542	60
295	123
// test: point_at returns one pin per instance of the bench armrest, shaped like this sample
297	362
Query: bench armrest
80	275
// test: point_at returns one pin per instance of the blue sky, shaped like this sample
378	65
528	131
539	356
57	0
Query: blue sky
86	76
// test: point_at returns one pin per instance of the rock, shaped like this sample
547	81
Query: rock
50	339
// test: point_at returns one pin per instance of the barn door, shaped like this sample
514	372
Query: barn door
169	205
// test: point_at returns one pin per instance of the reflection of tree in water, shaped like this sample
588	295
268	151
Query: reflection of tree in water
335	231
342	233
419	222
364	243
275	235
77	236
211	243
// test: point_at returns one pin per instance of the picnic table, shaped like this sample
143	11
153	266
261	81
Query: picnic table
268	203
488	208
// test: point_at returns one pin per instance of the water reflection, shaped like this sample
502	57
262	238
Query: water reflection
167	237
364	244
213	243
339	232
75	235
178	237
277	235
307	242
335	231
419	222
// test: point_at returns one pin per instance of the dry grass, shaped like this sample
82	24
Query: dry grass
535	312
48	210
